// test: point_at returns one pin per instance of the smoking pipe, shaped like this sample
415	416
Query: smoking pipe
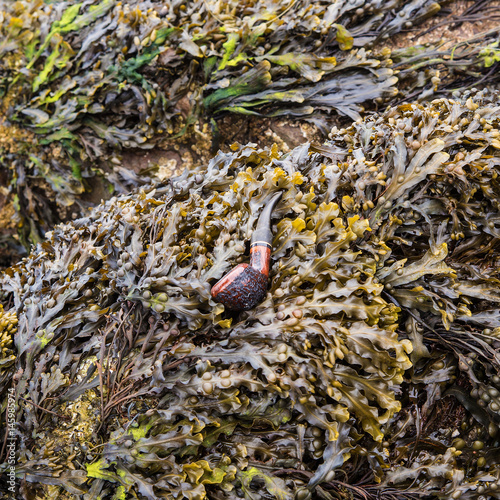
246	285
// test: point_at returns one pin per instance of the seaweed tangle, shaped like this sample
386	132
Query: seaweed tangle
87	80
382	312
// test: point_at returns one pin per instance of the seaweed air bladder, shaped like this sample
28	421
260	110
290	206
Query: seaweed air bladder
246	285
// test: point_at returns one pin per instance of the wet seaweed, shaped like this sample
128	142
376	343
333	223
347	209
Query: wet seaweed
89	80
382	309
439	69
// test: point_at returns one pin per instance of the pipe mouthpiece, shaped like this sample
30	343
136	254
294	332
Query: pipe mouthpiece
262	233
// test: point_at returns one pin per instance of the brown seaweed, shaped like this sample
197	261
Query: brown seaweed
88	81
383	307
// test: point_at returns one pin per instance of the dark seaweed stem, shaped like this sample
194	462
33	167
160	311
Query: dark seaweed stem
245	286
45	409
